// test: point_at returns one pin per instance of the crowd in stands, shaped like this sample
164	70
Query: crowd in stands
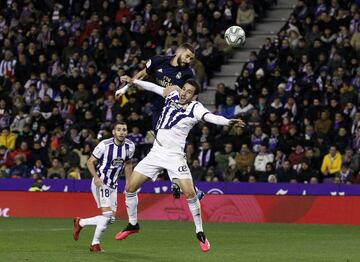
300	98
61	62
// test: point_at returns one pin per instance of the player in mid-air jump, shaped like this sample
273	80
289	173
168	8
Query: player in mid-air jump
167	71
179	114
112	156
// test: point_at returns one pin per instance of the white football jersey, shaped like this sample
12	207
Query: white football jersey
175	123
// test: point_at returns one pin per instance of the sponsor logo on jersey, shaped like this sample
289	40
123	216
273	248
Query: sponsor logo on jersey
182	168
117	162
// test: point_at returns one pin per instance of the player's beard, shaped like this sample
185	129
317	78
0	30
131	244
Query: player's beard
181	63
119	140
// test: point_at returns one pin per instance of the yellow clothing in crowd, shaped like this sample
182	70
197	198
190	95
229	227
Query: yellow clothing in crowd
331	165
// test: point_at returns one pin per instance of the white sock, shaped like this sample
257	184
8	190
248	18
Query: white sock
101	226
91	221
194	206
131	202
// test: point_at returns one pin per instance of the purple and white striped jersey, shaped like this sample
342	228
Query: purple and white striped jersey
7	67
176	121
112	158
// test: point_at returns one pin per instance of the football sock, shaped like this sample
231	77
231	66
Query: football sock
131	201
91	221
101	226
194	206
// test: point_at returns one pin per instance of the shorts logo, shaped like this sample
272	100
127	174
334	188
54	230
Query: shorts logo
117	162
182	168
178	75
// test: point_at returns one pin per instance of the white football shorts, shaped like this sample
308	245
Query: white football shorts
155	162
104	196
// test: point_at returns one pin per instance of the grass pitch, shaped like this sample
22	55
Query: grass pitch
51	240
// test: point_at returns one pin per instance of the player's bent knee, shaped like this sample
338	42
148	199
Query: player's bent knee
130	188
189	195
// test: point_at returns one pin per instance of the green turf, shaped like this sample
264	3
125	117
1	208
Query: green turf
51	240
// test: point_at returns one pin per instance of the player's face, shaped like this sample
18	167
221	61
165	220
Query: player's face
185	58
187	94
120	132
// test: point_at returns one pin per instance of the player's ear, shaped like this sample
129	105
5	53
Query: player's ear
195	97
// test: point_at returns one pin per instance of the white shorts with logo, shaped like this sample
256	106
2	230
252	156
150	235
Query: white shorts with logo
155	162
104	196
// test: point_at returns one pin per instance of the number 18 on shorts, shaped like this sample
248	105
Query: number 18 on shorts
104	196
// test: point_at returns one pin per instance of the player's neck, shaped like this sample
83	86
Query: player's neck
118	142
174	62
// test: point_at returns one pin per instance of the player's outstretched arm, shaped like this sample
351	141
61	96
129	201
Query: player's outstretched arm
140	75
149	86
222	121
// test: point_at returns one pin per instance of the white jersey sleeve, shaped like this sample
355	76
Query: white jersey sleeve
99	150
131	151
200	111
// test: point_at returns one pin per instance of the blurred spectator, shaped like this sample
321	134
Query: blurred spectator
331	164
244	162
19	169
206	155
286	173
7	138
224	158
56	170
261	160
345	175
197	172
245	17
306	173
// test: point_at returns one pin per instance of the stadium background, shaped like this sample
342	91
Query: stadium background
60	65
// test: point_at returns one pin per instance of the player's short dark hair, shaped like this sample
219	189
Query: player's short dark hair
195	84
119	123
187	46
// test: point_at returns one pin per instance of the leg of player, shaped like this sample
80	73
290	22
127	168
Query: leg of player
187	187
106	200
131	200
100	222
175	188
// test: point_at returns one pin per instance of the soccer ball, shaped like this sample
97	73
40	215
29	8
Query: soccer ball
235	36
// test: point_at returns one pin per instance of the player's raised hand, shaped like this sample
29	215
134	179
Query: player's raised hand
237	122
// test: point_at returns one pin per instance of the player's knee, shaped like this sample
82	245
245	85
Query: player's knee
130	188
189	194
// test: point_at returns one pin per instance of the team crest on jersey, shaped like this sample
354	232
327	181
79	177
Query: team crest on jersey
117	162
178	75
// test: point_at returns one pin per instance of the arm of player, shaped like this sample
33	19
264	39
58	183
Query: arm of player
150	86
222	121
128	169
140	75
91	163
